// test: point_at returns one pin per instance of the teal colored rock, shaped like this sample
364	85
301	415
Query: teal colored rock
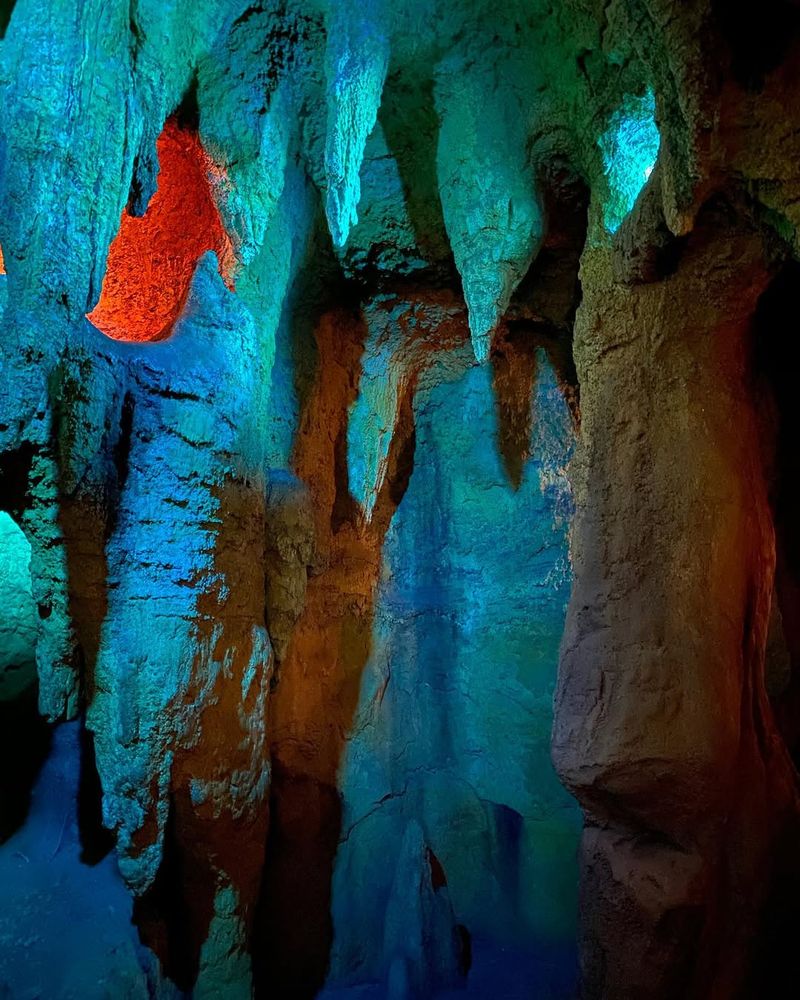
630	150
488	191
356	60
376	160
453	724
372	418
18	625
420	936
225	969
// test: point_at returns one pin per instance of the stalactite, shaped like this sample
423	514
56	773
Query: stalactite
356	61
288	570
489	198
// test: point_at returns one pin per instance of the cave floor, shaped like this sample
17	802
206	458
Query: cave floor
65	926
66	930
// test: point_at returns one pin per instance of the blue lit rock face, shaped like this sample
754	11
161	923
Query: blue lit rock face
65	926
452	729
153	683
630	150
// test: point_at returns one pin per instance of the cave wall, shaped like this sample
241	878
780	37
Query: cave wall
318	321
662	724
18	632
453	722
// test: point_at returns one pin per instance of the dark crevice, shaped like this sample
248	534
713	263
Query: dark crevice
438	876
513	377
399	464
399	475
344	506
550	292
122	448
774	364
15	473
408	98
758	36
6	10
187	113
776	359
775	960
25	739
120	457
82	518
668	253
247	14
96	840
137	34
291	955
174	915
140	191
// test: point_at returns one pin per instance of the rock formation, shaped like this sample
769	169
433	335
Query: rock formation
398	498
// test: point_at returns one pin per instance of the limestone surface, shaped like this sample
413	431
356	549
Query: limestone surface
398	498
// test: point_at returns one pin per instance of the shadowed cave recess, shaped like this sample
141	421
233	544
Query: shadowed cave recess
399	494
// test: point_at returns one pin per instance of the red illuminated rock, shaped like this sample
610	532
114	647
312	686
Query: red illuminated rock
152	260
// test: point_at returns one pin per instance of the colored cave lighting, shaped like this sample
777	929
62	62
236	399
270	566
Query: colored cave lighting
18	625
630	150
153	257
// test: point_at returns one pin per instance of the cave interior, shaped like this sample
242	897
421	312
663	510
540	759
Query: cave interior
399	499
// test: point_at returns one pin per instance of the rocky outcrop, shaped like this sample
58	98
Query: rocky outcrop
663	730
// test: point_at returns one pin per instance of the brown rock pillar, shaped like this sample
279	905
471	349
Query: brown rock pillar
662	727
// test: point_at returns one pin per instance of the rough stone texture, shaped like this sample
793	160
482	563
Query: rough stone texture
298	558
459	742
662	728
45	876
290	553
18	626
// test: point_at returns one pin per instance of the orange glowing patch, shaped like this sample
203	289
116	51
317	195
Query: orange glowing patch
153	258
2	262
